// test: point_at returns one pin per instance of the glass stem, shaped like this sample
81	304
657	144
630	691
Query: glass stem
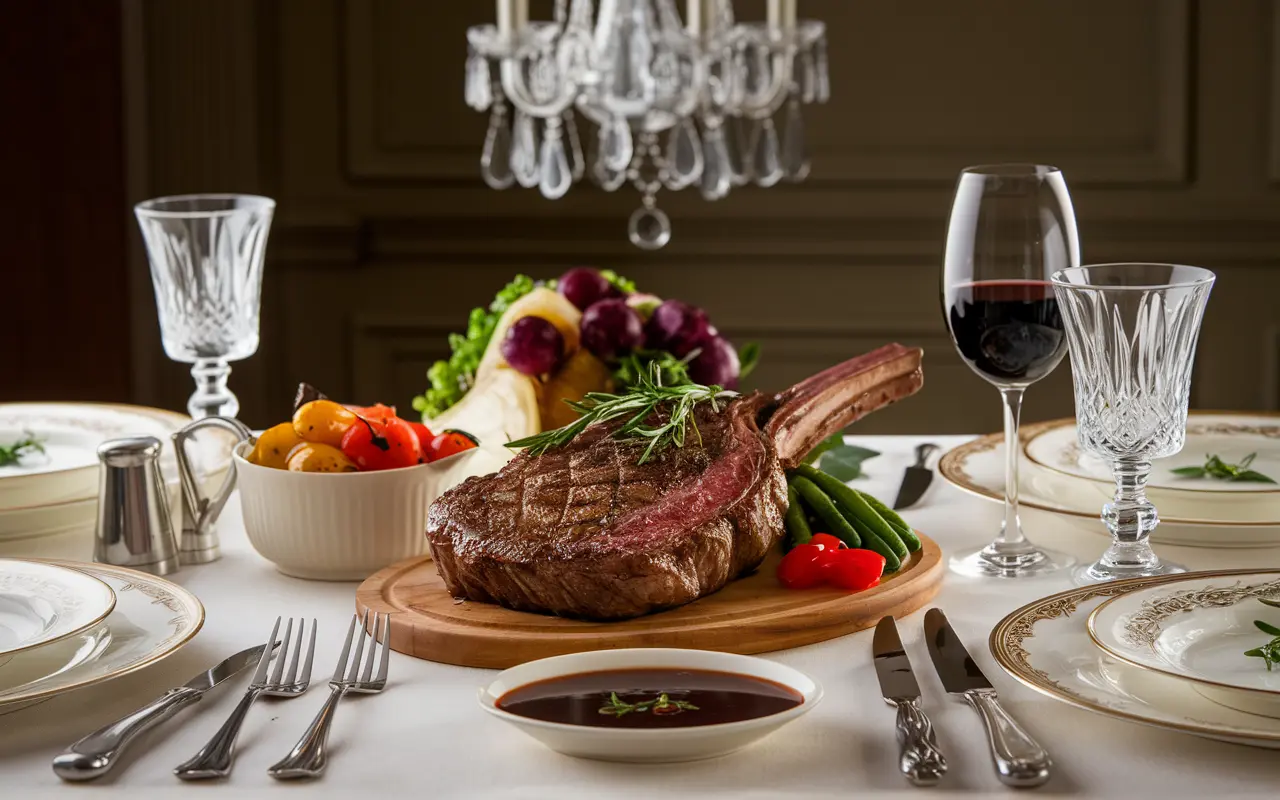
1011	536
212	397
1131	518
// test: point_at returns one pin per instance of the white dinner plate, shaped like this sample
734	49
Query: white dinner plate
152	619
977	467
1053	448
71	433
649	745
1197	628
43	603
1046	646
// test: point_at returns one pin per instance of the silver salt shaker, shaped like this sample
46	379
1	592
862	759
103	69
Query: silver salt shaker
134	526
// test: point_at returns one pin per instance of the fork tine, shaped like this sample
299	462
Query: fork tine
305	680
284	654
367	674
355	660
297	649
346	650
386	648
260	674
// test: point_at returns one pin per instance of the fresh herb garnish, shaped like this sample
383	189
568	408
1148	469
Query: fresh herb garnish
647	397
624	285
1269	652
662	704
844	462
10	454
452	379
748	357
633	366
1215	467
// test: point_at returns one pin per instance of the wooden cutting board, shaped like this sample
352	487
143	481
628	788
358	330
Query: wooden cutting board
751	615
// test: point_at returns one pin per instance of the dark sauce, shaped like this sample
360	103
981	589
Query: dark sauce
650	698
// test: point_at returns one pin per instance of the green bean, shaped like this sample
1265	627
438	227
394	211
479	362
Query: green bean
826	511
851	503
797	525
872	542
899	524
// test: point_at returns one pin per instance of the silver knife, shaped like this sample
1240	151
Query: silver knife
916	480
920	760
1020	760
97	753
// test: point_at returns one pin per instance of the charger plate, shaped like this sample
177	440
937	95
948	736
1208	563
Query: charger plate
1046	646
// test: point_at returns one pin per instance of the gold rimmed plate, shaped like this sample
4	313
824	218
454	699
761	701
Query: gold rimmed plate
1046	646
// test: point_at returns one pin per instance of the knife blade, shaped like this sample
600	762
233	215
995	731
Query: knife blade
919	758
97	753
916	478
1019	759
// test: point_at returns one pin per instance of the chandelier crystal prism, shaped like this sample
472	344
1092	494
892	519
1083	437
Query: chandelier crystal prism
664	102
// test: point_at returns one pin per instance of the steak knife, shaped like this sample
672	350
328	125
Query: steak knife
920	759
1020	760
99	752
916	480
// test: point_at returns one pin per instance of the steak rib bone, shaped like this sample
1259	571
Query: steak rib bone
819	406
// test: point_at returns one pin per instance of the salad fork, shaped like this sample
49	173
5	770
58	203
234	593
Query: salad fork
309	756
215	758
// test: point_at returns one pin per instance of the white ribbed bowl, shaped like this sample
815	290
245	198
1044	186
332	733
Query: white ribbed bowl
346	526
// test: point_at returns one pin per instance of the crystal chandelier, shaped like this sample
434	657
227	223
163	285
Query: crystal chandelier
674	103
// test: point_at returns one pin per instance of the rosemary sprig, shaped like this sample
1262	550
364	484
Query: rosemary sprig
1269	652
648	396
9	454
662	704
1215	467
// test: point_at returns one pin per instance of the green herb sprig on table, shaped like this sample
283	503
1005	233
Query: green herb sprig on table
11	454
840	460
662	704
1215	467
649	395
1269	652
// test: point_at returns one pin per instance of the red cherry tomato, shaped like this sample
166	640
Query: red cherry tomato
424	435
448	443
854	570
376	445
828	541
376	412
802	568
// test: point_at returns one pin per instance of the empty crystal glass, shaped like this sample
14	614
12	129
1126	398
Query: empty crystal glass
1132	331
206	253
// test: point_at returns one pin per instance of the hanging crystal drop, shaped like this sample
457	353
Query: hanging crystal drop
822	93
616	147
765	166
555	175
808	75
524	150
715	162
576	160
684	155
737	146
649	227
601	175
795	154
495	159
478	82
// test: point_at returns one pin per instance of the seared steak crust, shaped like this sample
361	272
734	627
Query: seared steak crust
583	531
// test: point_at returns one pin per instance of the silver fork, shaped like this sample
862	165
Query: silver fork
215	758
309	756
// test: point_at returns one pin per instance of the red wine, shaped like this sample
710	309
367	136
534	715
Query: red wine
1009	331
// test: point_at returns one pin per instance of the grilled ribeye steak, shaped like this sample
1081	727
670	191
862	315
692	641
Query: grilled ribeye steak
583	531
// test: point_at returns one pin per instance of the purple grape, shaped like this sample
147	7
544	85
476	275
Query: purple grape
677	327
716	364
533	346
611	328
584	287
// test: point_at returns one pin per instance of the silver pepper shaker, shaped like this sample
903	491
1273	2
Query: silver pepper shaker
134	527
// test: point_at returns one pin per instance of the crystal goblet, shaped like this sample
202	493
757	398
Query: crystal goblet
206	253
1132	331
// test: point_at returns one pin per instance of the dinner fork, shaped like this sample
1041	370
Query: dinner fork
215	758
309	756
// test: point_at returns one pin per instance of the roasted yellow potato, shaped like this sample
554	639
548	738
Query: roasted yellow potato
323	422
318	457
272	449
582	373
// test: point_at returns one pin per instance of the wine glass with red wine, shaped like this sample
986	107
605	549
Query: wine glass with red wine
1011	227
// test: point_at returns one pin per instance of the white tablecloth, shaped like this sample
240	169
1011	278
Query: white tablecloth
426	736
